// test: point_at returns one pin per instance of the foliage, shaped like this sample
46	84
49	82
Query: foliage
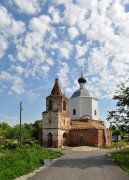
115	145
5	130
121	143
23	160
111	146
121	114
29	131
122	159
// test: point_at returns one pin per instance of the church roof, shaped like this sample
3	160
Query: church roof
85	125
81	92
56	89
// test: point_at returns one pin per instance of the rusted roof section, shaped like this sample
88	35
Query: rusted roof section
56	89
85	125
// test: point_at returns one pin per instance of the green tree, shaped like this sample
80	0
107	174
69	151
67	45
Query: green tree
5	130
27	130
37	127
121	114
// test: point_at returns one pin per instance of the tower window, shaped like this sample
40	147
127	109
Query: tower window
74	111
95	112
50	105
64	105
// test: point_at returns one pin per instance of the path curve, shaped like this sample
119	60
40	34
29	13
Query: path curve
77	165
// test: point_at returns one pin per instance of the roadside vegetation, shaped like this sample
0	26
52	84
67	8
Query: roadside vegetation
18	160
29	131
117	145
122	159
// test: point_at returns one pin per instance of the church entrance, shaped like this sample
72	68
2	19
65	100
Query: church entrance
49	140
81	141
64	139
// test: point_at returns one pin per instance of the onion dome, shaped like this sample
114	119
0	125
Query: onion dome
82	79
82	92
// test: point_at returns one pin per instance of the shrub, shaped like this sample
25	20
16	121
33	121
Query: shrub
121	143
122	159
111	146
24	159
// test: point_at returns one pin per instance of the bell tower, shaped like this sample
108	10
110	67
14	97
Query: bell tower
56	119
56	101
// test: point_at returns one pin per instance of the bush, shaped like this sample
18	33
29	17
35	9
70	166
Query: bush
111	146
121	143
24	159
122	159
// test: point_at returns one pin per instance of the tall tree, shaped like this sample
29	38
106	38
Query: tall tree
121	114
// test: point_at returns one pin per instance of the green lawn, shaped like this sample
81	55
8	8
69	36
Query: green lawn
122	159
23	160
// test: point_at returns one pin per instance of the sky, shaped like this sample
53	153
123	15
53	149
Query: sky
44	39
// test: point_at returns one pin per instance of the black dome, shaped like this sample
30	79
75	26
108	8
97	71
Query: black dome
82	80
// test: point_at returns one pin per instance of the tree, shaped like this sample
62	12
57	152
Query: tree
120	116
27	131
37	127
5	130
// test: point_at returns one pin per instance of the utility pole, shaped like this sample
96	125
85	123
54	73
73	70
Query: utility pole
20	123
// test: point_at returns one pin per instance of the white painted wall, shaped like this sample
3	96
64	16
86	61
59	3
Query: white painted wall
95	106
74	103
84	106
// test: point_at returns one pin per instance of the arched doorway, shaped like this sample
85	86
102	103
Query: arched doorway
81	141
64	139
49	140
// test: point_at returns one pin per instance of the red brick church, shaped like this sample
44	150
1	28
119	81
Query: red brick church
74	121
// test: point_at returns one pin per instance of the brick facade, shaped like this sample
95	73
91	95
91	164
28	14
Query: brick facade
59	130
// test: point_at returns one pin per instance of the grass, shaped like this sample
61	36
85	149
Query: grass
122	159
23	160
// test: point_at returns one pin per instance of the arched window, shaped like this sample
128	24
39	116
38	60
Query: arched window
64	105
74	111
95	112
50	105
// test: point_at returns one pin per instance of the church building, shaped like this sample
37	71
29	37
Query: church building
74	121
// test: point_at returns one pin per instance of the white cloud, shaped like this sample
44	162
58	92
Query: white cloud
73	32
3	46
92	34
27	6
55	14
73	14
9	28
81	50
81	62
8	25
19	69
17	84
40	24
90	5
63	74
64	53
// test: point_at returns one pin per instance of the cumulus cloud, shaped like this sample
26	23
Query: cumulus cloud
73	32
17	84
66	36
27	6
9	28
